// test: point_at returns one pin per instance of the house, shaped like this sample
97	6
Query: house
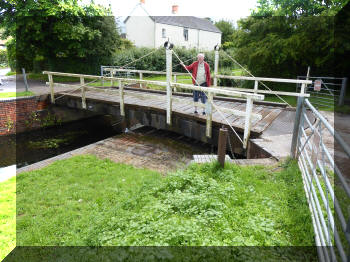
182	31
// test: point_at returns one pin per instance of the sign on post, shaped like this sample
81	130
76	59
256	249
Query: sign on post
317	85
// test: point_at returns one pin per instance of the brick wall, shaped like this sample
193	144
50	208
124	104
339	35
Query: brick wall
18	114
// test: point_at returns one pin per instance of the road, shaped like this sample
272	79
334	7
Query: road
8	82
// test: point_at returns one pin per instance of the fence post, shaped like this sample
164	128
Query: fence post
83	98
121	96
216	66
209	114
25	79
169	54
342	92
51	89
248	121
296	128
222	146
140	79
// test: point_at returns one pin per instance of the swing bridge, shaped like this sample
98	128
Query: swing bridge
244	113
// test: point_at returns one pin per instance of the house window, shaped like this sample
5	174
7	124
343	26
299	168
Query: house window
186	34
163	33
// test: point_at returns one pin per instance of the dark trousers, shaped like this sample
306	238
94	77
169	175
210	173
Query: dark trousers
200	94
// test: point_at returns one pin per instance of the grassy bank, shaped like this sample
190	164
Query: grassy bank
16	94
202	205
7	217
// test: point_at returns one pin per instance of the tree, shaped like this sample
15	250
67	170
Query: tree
282	39
227	29
59	34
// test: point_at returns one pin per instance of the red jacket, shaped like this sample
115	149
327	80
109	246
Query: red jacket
194	68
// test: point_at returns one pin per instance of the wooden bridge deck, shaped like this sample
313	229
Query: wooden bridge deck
157	101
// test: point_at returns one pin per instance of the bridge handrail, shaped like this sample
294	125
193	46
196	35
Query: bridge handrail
266	79
141	71
223	91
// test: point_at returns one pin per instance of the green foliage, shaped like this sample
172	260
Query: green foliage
283	37
3	58
227	29
59	35
157	60
202	205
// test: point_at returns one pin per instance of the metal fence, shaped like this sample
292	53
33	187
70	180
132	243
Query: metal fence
326	92
327	189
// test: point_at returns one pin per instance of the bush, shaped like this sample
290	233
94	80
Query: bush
3	58
157	60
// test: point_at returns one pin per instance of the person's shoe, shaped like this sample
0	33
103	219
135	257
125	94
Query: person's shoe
203	113
195	111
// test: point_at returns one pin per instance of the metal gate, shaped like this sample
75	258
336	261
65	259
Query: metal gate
326	92
327	189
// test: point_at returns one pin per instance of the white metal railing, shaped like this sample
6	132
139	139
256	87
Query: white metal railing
324	182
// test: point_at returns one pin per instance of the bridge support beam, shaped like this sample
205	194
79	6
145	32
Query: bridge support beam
248	121
121	95
169	54
83	97
216	67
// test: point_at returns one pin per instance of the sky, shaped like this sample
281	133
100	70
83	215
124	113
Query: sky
218	9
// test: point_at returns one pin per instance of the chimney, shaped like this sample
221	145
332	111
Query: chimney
142	1
174	9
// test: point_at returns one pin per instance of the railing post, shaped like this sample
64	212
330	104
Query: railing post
302	91
175	80
222	146
216	66
140	79
121	96
51	89
296	128
248	121
111	70
209	114
342	92
256	84
169	54
102	80
83	98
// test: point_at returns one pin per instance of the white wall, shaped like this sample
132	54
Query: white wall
196	38
140	31
209	39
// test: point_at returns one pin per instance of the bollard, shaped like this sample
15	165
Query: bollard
25	79
222	146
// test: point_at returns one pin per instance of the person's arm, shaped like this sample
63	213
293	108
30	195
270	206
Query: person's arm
189	68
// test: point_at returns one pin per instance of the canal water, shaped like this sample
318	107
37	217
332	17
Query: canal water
30	147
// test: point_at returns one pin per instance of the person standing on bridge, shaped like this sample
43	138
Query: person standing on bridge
200	76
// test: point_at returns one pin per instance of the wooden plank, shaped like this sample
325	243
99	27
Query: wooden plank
265	122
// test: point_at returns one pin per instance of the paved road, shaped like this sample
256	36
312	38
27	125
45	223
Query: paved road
8	83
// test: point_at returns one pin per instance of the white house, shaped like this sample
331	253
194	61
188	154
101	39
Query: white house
182	31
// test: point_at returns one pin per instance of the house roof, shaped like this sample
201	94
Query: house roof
185	21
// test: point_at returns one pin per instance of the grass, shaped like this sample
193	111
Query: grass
56	79
10	73
7	217
202	205
16	94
